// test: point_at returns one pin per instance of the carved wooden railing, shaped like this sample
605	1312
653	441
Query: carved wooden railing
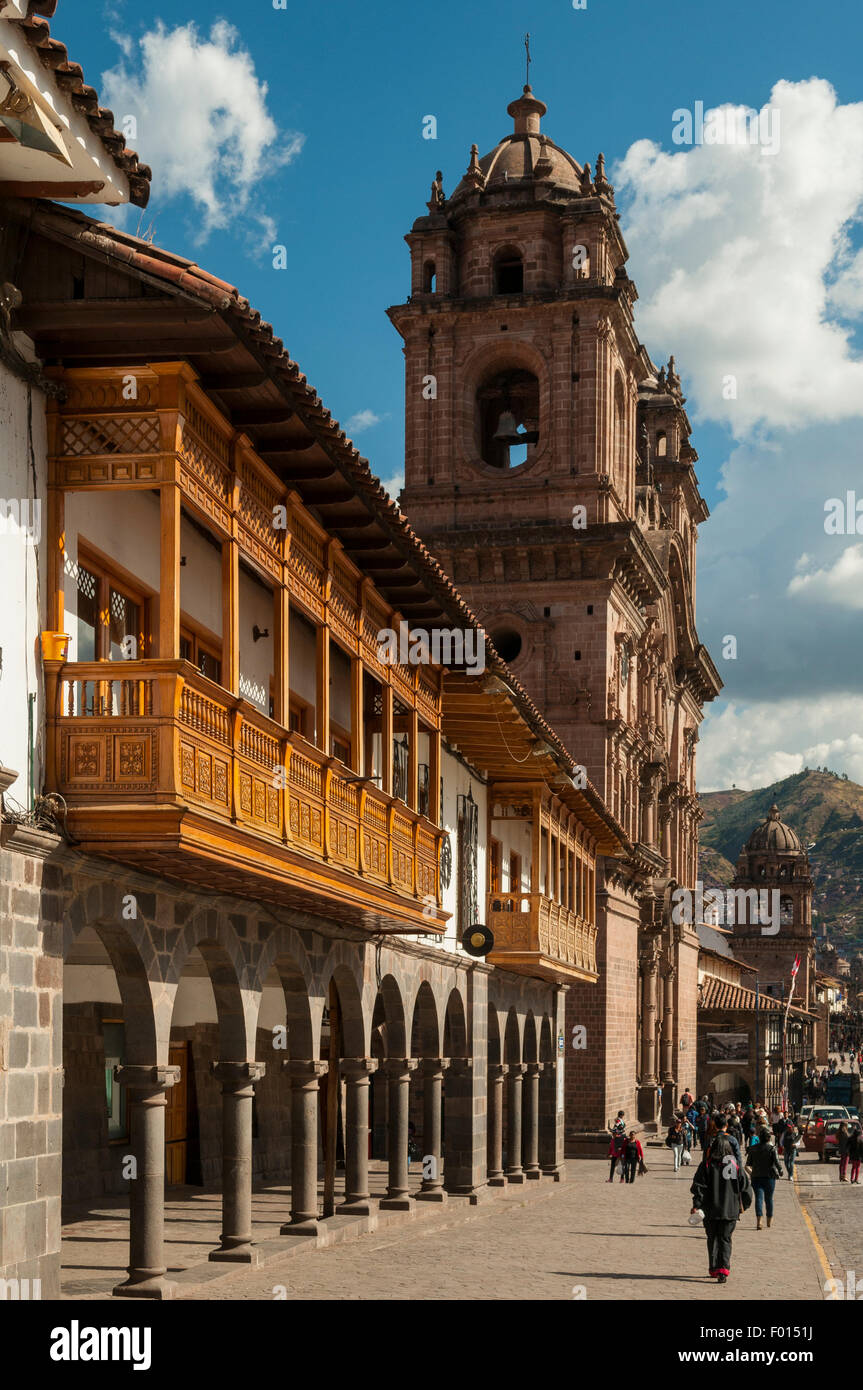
157	732
531	922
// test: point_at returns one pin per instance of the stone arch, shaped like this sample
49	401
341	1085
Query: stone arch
425	1025
530	1045
389	1017
512	1037
215	938
455	1025
146	1006
285	952
481	367
352	1013
507	269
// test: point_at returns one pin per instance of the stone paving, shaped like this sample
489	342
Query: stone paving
583	1238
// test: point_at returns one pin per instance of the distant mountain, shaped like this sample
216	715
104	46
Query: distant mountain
826	811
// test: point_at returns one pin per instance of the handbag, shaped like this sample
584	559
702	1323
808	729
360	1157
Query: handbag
686	1157
642	1168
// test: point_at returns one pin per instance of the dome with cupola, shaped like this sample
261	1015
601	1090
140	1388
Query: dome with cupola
525	157
774	836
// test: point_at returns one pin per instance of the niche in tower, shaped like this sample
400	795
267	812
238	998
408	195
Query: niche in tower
508	271
507	408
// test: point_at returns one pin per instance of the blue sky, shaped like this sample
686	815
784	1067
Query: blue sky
333	165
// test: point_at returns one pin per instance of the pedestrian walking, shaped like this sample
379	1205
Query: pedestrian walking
790	1146
616	1145
721	1190
686	1099
633	1157
763	1163
855	1152
842	1138
676	1141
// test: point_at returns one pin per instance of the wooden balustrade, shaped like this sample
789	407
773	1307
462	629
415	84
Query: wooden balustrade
133	735
531	930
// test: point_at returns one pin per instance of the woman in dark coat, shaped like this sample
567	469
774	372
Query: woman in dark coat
720	1189
763	1162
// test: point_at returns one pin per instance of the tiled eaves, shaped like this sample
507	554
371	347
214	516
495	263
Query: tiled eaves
70	77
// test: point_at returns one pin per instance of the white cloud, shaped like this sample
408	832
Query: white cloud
123	41
752	745
745	267
840	583
737	256
363	420
203	123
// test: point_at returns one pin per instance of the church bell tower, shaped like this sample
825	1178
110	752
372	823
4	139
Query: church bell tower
548	468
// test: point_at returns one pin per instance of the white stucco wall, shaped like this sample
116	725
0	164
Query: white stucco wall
458	780
23	577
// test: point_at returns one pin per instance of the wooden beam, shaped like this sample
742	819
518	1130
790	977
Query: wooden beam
233	381
322	689
357	716
387	740
231	616
281	656
48	188
170	498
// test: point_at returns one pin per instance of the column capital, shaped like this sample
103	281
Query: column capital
516	1068
146	1078
461	1066
497	1070
304	1070
355	1068
434	1066
535	1068
399	1068
240	1073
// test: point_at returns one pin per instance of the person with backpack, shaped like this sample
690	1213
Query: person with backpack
763	1163
721	1191
686	1100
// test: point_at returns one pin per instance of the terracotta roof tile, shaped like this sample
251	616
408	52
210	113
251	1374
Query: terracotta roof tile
730	998
70	76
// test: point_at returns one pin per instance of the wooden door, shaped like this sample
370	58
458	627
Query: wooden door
177	1118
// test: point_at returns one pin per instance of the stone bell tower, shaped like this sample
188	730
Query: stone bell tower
774	863
549	470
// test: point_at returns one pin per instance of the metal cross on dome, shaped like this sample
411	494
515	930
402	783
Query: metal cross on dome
527	60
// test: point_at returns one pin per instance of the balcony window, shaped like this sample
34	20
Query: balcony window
203	654
112	618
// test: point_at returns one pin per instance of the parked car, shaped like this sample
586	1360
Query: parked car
813	1127
829	1135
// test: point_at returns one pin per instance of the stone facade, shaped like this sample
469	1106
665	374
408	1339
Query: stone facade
549	469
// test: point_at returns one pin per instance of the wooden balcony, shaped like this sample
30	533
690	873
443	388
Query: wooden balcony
533	935
167	771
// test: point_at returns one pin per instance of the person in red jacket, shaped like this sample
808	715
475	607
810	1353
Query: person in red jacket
633	1156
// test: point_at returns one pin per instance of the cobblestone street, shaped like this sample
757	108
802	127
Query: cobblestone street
583	1238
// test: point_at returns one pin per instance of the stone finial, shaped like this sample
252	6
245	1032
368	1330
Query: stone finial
544	168
586	181
602	184
474	174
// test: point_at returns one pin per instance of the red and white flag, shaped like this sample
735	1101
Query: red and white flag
795	967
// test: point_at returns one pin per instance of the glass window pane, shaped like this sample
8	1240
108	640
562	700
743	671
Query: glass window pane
124	620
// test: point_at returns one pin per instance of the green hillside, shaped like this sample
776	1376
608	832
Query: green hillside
826	811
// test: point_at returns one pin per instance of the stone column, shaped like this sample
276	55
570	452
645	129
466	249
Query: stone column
531	1121
433	1068
514	1171
496	1073
648	1020
398	1072
238	1090
305	1076
357	1072
146	1087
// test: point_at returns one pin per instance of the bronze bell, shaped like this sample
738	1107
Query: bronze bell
507	429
